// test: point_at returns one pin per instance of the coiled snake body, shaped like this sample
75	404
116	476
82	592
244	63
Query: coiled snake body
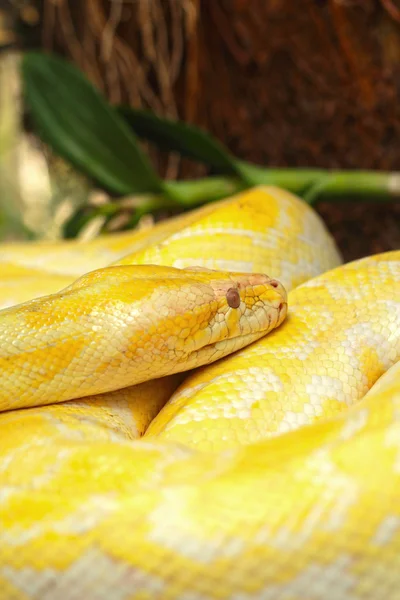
272	473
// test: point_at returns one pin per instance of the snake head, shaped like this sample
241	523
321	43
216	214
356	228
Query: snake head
238	309
179	319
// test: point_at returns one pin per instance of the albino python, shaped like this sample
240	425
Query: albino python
272	473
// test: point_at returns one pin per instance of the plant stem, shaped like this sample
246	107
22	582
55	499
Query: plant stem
198	191
312	184
295	180
340	185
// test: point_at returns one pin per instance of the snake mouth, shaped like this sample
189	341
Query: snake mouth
276	315
216	350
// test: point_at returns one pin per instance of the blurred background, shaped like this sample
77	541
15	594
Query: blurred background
311	84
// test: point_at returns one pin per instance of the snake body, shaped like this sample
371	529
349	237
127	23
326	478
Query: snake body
272	473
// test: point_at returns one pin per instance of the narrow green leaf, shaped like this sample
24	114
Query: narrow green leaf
73	117
192	142
177	136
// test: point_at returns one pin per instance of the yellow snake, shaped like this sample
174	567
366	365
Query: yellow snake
272	473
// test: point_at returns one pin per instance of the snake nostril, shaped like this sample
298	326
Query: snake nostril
274	283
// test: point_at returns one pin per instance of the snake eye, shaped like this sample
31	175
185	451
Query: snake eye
233	298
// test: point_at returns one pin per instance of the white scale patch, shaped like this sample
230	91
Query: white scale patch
59	457
255	382
339	498
97	575
385	532
322	388
392	440
237	232
316	582
293	420
342	292
87	516
301	351
186	392
84	519
115	407
363	335
71	433
174	528
354	424
222	265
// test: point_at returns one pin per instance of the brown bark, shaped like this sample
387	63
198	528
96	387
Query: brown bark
302	83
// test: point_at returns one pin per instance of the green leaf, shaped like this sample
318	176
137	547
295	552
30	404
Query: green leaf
192	142
177	136
73	117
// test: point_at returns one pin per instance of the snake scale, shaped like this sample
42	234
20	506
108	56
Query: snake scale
271	473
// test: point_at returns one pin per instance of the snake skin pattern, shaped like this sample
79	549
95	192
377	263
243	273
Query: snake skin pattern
272	474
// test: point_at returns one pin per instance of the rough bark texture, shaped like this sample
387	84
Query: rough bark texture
311	83
282	82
